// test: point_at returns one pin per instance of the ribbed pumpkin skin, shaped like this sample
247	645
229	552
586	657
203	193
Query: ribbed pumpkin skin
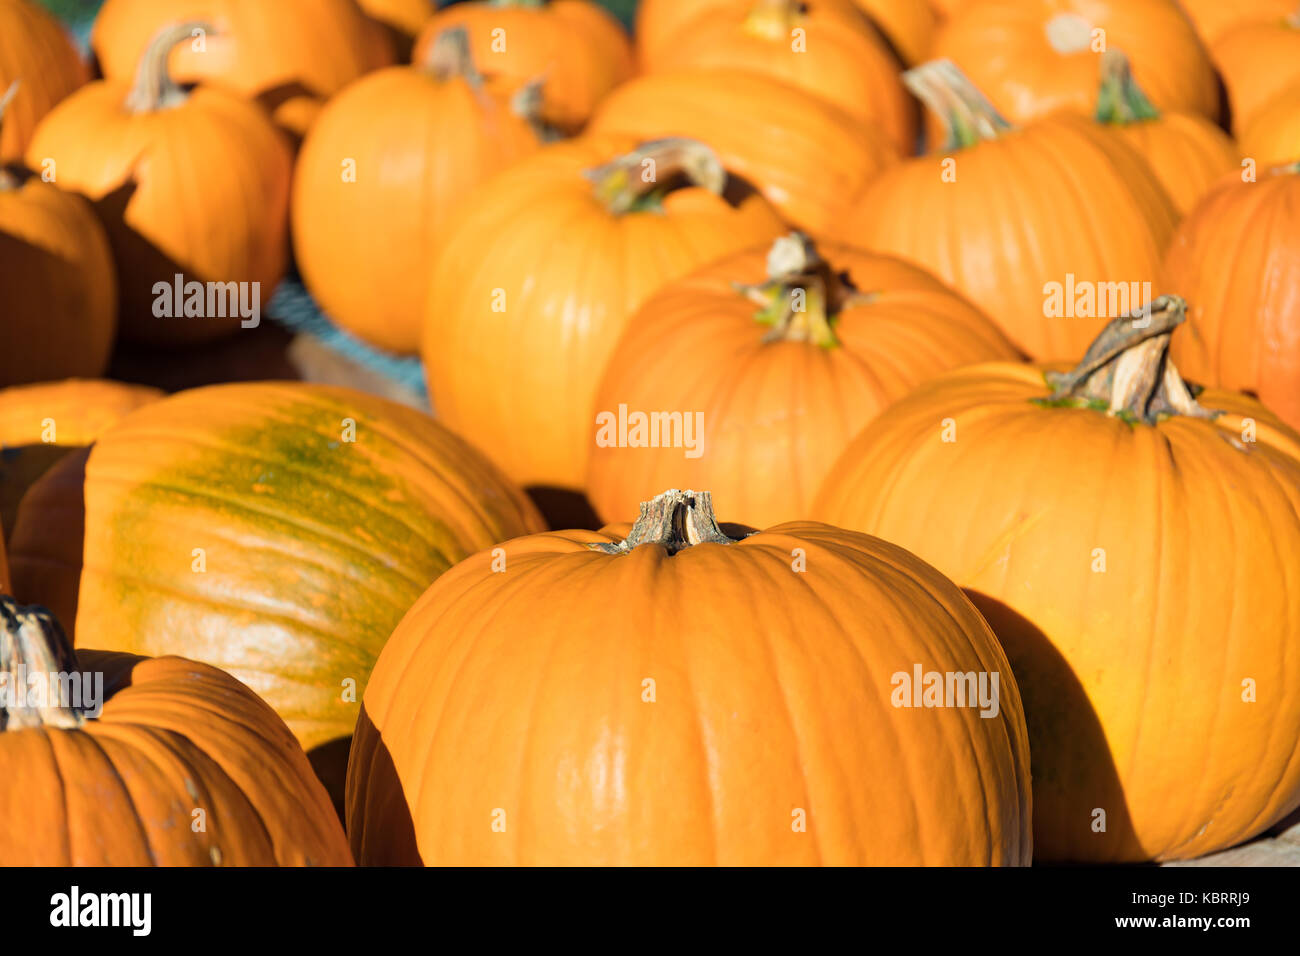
841	58
772	694
1187	153
174	736
1131	678
201	189
286	49
808	158
781	410
519	383
1258	60
1273	134
58	310
46	537
576	46
420	145
1004	47
35	51
314	546
1236	260
996	236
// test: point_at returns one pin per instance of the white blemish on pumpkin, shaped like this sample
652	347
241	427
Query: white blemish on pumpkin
1069	33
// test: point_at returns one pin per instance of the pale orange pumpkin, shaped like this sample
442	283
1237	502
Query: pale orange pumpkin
194	184
416	140
1017	219
1236	260
36	53
1100	520
1258	60
1186	151
666	694
1033	57
1272	136
824	48
807	157
1213	18
541	271
770	379
575	47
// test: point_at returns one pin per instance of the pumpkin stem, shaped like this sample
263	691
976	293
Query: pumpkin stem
7	180
773	19
802	296
32	644
1120	99
638	180
1127	369
154	89
675	520
966	113
450	57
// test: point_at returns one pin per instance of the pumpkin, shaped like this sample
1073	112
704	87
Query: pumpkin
194	185
35	52
1091	516
286	54
1013	217
1258	60
394	155
756	727
1034	57
773	378
58	311
401	20
279	532
826	49
577	48
1213	18
167	763
542	269
909	26
1236	260
806	156
47	535
1187	152
1272	136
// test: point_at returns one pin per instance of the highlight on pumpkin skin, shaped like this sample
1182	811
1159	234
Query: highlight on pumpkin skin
749	708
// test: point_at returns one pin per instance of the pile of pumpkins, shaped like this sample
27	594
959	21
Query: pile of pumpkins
911	567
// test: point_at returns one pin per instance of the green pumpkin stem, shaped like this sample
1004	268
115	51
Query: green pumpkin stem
7	179
675	520
1120	99
154	89
803	295
966	113
32	644
637	181
1127	371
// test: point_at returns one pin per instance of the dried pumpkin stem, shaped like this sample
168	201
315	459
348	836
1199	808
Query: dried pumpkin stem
32	644
773	19
451	58
1120	99
1127	369
675	520
966	113
154	89
639	179
803	295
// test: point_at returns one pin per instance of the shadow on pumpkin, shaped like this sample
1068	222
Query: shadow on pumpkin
563	508
378	821
45	546
1059	715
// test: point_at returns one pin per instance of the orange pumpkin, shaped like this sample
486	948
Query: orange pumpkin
1186	151
826	49
909	26
287	54
770	378
1236	260
47	535
1272	136
575	47
1092	519
1213	18
1258	60
187	184
401	20
806	156
36	53
540	273
280	531
58	310
1034	57
1019	219
395	155
176	764
763	725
